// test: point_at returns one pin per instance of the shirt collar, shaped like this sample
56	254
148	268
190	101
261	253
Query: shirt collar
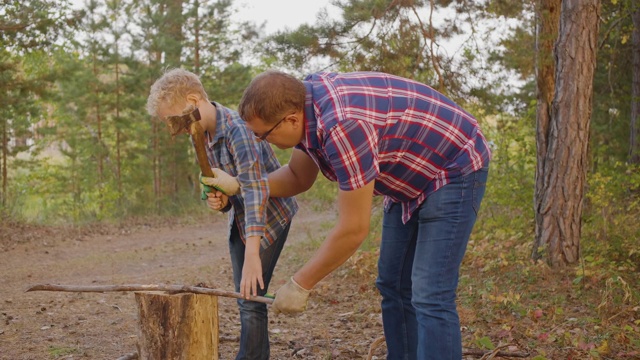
221	125
310	140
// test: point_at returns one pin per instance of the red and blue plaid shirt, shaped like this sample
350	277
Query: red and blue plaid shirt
233	148
409	138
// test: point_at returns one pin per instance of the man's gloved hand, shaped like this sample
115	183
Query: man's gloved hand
291	298
222	181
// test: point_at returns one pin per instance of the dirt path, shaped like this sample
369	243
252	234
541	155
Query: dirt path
56	325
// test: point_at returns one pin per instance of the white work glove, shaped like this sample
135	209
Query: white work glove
222	181
290	298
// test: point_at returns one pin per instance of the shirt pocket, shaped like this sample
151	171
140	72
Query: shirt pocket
225	161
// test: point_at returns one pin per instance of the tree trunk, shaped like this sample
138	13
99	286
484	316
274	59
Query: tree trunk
548	21
196	42
117	125
634	139
5	154
563	173
177	327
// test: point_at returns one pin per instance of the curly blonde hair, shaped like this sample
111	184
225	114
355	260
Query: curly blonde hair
173	86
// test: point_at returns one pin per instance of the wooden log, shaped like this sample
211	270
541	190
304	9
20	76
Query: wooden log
150	287
177	327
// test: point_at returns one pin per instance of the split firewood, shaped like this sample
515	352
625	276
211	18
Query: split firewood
174	289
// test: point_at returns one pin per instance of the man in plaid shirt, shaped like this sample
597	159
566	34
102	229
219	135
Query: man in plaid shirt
379	134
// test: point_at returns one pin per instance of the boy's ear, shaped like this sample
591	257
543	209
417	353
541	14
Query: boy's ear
193	99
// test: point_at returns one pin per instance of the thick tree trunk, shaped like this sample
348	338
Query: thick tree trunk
5	154
560	200
634	139
177	327
548	22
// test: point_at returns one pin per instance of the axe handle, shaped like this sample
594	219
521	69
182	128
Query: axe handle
197	136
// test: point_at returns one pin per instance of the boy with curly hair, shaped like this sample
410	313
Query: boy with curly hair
258	224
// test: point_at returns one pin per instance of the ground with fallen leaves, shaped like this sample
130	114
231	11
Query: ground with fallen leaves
506	303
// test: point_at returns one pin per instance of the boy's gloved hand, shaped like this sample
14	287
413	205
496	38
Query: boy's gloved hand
222	181
291	298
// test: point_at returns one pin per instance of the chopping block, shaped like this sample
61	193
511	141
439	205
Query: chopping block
180	326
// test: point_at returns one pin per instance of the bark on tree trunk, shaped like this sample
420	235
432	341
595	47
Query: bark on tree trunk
548	19
177	327
5	154
563	174
634	139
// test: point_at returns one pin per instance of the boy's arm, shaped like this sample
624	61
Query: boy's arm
252	268
254	187
291	179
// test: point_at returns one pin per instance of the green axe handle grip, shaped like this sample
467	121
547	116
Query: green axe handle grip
207	189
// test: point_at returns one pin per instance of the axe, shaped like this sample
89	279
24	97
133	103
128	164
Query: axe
189	123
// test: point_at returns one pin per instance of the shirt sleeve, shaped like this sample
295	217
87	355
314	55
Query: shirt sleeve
351	150
252	178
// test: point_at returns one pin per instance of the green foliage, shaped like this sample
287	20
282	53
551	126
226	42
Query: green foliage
535	304
59	351
612	85
610	216
507	208
35	24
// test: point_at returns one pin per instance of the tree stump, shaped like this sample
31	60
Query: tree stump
177	327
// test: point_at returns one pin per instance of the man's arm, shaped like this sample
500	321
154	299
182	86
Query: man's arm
295	177
354	214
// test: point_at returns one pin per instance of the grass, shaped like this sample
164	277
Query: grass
56	352
585	311
588	310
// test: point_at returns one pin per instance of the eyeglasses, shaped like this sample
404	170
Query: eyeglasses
264	136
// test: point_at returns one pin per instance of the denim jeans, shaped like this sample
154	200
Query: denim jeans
418	270
254	333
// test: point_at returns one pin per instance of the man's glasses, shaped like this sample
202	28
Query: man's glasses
264	136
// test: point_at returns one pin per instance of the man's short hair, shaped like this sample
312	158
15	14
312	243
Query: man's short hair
271	95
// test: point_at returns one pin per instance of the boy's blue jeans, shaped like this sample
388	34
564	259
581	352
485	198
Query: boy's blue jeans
254	333
418	271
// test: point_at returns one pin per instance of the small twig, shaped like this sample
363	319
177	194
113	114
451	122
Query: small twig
152	287
374	345
131	356
490	355
482	353
470	352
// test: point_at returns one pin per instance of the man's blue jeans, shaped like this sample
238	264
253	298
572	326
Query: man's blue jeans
418	270
254	333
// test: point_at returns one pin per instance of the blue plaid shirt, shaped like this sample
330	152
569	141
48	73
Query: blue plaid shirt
233	149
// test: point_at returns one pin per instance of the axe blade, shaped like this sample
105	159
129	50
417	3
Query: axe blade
181	124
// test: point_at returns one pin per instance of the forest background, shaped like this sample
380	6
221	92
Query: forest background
77	146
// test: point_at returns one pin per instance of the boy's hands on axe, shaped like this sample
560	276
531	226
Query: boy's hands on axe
291	298
216	200
222	181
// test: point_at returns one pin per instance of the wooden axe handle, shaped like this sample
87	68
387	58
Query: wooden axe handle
197	136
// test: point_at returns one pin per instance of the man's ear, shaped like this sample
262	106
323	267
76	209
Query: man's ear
297	118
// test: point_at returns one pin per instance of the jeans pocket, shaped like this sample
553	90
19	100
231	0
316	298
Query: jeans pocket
479	187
